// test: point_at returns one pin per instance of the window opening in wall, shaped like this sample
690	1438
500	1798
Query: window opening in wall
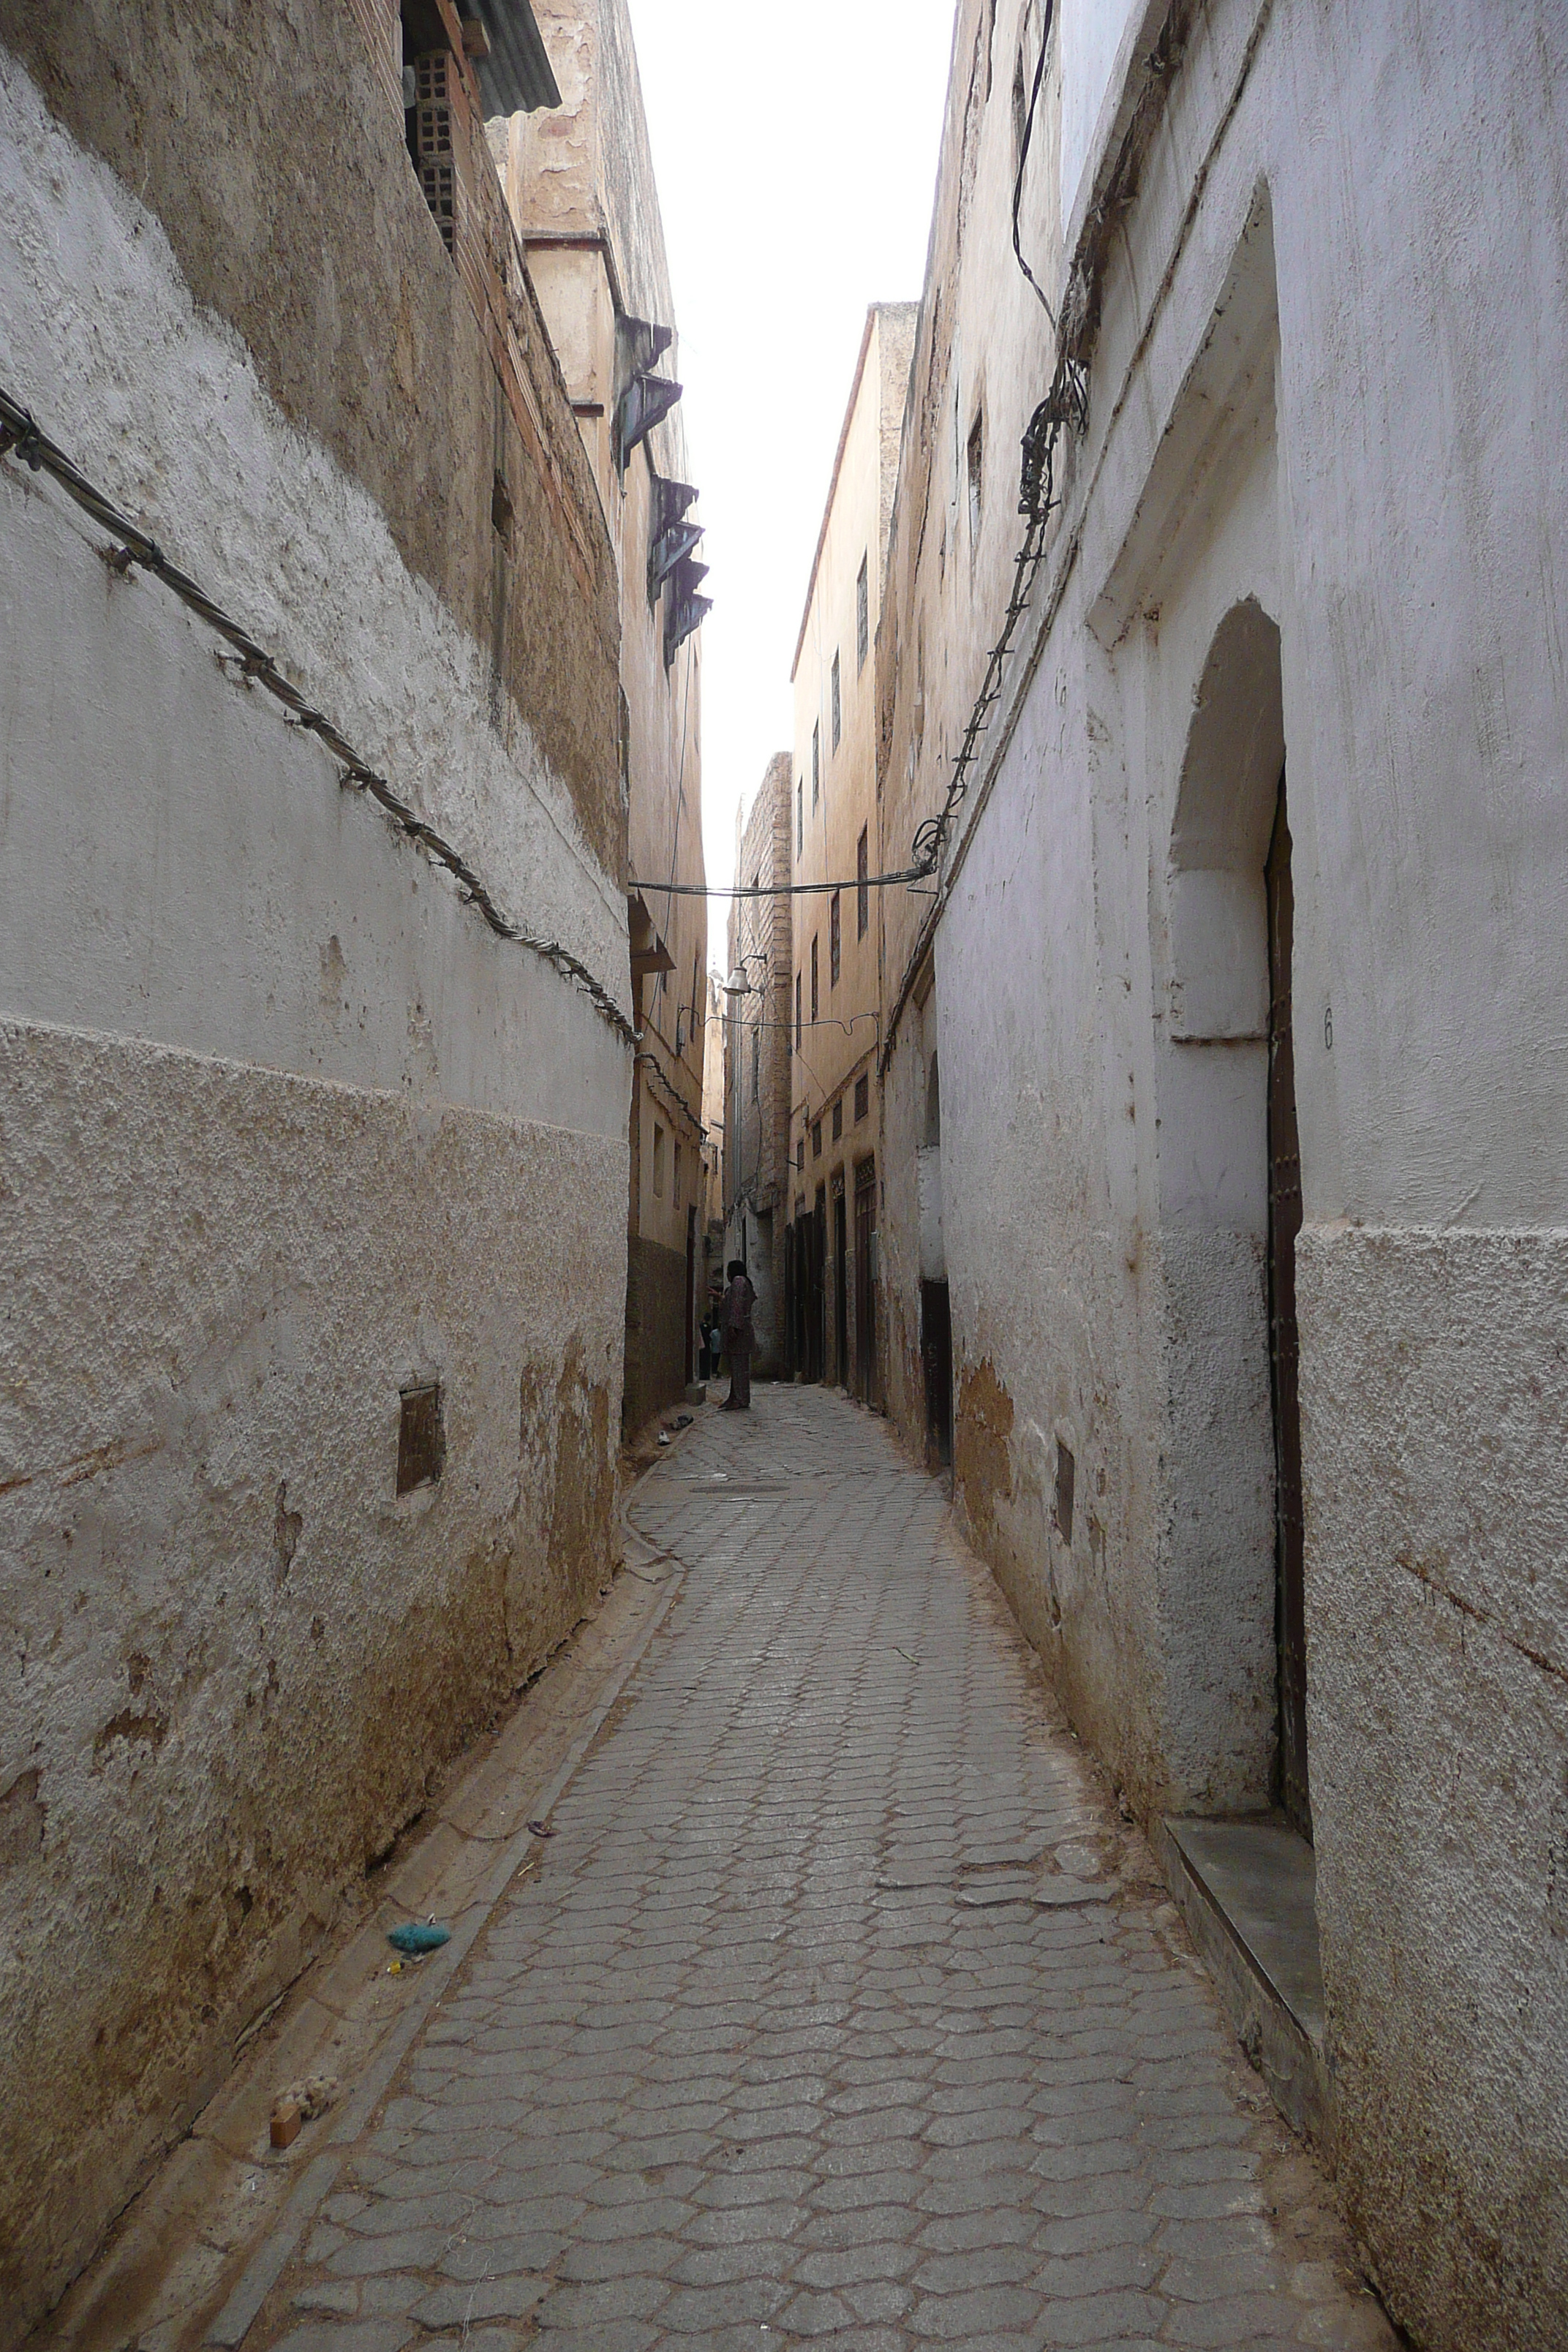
1067	1474
816	998
834	939
838	705
862	616
976	476
816	763
677	1175
756	1065
837	1118
862	1098
816	1138
438	92
626	751
862	884
933	1102
799	815
657	1161
797	1022
421	1436
800	1153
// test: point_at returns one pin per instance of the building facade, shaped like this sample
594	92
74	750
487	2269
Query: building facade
1206	1128
315	1020
757	1061
580	183
834	1092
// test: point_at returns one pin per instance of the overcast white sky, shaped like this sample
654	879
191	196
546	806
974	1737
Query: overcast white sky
796	149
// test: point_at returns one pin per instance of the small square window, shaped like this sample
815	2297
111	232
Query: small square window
862	884
838	1119
835	940
862	1098
862	617
838	705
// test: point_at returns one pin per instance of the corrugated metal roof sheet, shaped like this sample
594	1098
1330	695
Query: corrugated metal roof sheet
516	77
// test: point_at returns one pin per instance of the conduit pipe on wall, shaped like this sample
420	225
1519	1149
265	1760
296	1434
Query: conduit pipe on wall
20	437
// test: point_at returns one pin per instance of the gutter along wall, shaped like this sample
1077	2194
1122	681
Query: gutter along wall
286	1129
1310	523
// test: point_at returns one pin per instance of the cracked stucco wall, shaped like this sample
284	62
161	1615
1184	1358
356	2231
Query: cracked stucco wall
1319	366
283	1130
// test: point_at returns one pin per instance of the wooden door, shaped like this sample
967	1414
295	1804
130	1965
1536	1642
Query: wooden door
936	1355
865	1288
1284	1352
840	1286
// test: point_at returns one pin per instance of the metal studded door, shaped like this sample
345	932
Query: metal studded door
1284	1224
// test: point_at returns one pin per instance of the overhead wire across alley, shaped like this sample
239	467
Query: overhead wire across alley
1066	403
21	436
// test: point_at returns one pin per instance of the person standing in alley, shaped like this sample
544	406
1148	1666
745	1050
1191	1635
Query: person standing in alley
739	1300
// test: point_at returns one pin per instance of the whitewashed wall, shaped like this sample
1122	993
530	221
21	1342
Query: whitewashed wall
283	1129
1320	389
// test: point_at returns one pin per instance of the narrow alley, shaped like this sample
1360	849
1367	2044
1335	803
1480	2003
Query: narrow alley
841	2006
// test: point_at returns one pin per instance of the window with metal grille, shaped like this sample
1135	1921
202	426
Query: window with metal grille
835	940
838	705
816	763
838	1119
815	997
797	1013
800	1153
862	883
862	1098
862	616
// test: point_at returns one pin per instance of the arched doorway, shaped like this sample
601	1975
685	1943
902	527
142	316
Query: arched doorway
1230	1210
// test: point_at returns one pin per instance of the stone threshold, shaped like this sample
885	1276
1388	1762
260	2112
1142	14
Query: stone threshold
1247	1890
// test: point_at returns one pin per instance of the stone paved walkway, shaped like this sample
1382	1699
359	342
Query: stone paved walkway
780	2043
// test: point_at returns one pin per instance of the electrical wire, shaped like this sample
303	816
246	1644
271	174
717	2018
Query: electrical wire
1024	159
20	437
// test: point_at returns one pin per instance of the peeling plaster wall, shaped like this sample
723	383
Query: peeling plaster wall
283	1130
1319	366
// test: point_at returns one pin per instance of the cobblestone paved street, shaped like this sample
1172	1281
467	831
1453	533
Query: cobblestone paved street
841	2008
